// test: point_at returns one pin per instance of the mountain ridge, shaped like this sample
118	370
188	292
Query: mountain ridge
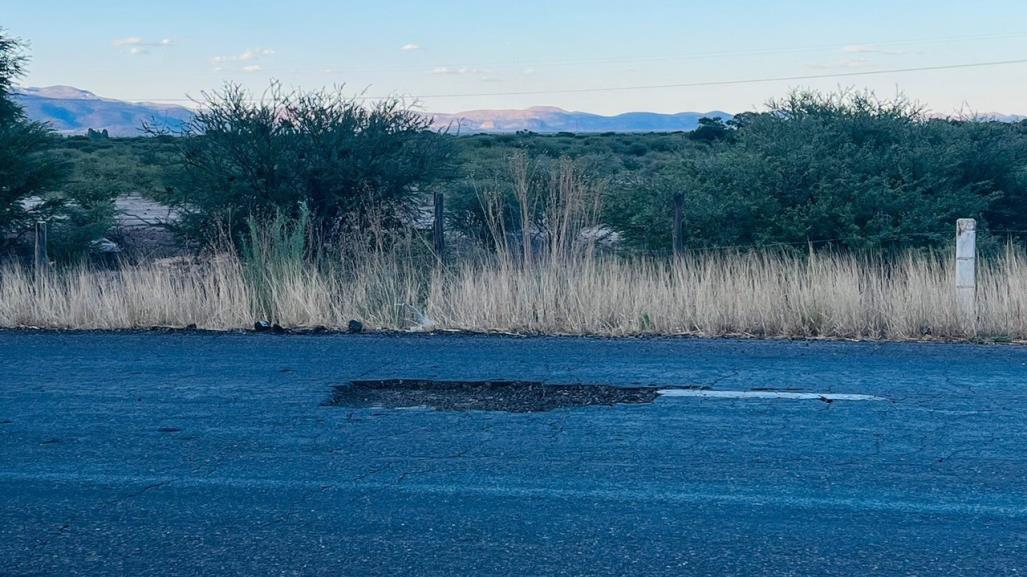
72	110
550	119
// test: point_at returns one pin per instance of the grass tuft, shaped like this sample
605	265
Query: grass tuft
763	294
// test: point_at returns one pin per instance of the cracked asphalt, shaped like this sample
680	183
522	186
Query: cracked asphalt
213	454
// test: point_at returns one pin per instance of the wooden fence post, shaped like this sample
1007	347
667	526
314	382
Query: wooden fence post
40	260
439	228
966	268
677	232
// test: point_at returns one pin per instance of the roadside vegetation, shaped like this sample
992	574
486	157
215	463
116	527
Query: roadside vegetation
825	215
37	183
766	294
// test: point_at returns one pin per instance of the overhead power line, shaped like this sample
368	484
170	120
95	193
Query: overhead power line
867	46
797	77
697	84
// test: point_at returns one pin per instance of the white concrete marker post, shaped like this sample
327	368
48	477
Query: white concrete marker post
966	268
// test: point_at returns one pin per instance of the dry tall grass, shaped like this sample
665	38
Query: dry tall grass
550	280
763	294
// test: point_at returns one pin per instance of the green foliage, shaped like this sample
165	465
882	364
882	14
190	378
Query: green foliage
109	167
99	170
842	169
322	150
485	159
551	199
71	236
27	171
710	130
281	241
846	169
274	249
639	206
12	66
40	183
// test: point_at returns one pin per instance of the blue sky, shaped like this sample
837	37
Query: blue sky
459	55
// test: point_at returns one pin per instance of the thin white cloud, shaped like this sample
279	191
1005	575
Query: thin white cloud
137	45
409	47
254	53
250	55
846	63
483	74
457	70
870	49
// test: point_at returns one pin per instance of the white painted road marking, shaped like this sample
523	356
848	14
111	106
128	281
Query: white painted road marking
710	394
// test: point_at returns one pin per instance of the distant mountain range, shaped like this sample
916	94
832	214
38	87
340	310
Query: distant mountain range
550	119
74	111
1003	117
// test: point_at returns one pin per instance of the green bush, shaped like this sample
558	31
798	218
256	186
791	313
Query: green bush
844	169
27	171
343	160
40	183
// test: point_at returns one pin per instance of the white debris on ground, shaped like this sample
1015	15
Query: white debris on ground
135	211
712	394
105	246
141	225
421	322
143	222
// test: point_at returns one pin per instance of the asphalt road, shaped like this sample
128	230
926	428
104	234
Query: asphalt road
197	454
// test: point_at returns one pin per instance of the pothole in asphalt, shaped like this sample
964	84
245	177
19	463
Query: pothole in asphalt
535	396
508	396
